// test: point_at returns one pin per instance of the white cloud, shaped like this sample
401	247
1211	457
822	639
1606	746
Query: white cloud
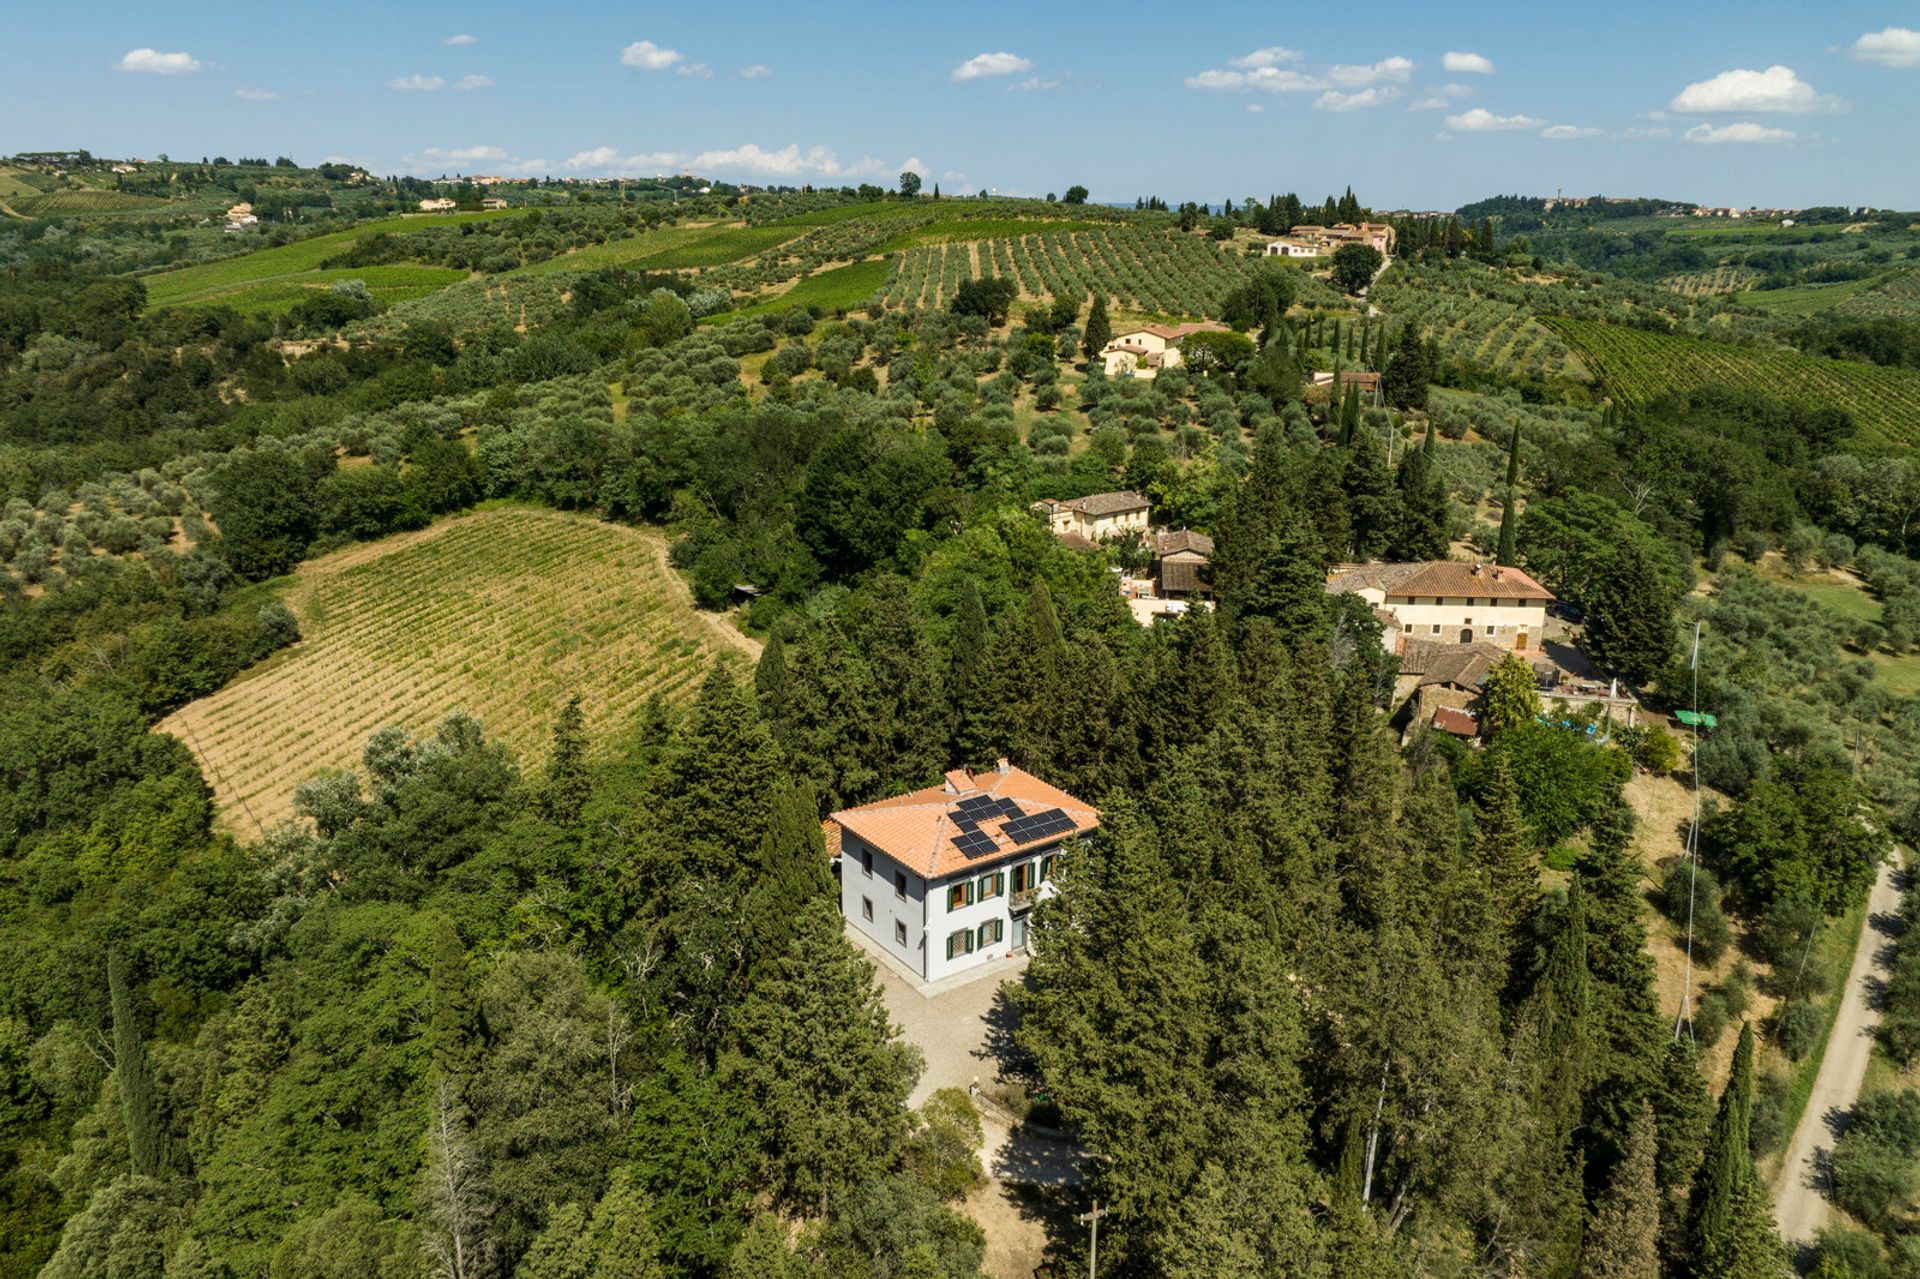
1893	47
1334	100
1565	132
1660	131
257	95
695	70
1271	79
1267	57
1033	84
1254	108
648	56
1775	89
747	159
471	82
1393	70
1744	131
1441	98
991	64
758	71
461	39
1481	120
1466	63
464	155
153	62
417	84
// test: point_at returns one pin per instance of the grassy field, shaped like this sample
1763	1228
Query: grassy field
875	211
1637	366
194	283
1844	598
718	246
1804	299
842	288
502	613
390	284
622	253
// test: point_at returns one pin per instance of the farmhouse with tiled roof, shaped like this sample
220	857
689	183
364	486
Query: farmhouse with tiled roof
1449	601
943	879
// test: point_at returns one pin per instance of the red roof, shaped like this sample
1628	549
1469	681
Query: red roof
1458	722
918	829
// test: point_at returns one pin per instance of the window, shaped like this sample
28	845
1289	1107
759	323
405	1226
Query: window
866	908
1436	628
960	894
1046	868
959	942
900	931
1489	628
1466	621
866	860
1023	877
992	885
990	932
899	883
1409	628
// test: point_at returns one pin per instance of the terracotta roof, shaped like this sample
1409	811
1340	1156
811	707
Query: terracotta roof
1107	503
1174	332
1438	578
1452	577
1183	539
1457	722
918	829
1188	576
1439	662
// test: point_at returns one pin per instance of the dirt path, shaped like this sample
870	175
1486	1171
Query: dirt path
722	624
1800	1203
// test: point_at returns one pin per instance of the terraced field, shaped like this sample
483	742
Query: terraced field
1896	299
1804	299
841	288
1637	366
1722	279
390	284
502	613
58	202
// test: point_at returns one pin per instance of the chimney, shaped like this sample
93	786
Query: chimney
1001	766
959	782
1476	569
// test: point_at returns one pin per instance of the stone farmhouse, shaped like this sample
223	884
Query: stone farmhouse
1096	517
1328	238
943	880
1292	249
1449	601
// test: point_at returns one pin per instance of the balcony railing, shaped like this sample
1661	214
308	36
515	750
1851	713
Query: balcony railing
1023	899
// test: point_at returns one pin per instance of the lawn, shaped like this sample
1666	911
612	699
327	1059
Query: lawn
1843	598
503	613
188	284
1899	674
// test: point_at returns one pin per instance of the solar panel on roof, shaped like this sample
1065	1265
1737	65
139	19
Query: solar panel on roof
973	803
974	844
1037	826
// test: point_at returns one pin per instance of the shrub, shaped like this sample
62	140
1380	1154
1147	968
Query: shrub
1710	930
1800	1024
1768	1129
1847	1250
1709	1019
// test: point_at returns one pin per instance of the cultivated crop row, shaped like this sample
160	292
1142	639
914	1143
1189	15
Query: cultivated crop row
1637	365
502	614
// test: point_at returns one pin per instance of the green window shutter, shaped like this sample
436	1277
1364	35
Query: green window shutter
999	882
968	934
970	891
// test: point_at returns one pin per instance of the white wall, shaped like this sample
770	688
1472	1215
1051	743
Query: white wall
889	907
942	922
1509	618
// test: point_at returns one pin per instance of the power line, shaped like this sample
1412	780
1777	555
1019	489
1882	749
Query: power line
1684	1019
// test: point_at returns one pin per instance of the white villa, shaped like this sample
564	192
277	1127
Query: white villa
943	880
438	204
1292	249
1449	602
1144	351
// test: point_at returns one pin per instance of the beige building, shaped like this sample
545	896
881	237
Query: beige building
439	204
1144	351
1378	234
1450	602
1292	249
1096	517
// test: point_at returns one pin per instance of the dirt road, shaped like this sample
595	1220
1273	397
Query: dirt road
1800	1203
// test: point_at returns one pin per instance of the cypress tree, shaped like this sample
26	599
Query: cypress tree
1622	1240
1508	553
1560	1008
1730	1228
1513	881
1404	381
1681	1110
1099	330
133	1075
568	785
969	686
1631	613
773	687
1421	530
453	1028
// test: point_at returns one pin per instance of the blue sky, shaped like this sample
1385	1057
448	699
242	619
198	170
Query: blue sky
1415	105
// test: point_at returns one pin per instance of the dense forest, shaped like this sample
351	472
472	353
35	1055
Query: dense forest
1321	998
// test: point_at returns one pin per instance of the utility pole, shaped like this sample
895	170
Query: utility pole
1093	1247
